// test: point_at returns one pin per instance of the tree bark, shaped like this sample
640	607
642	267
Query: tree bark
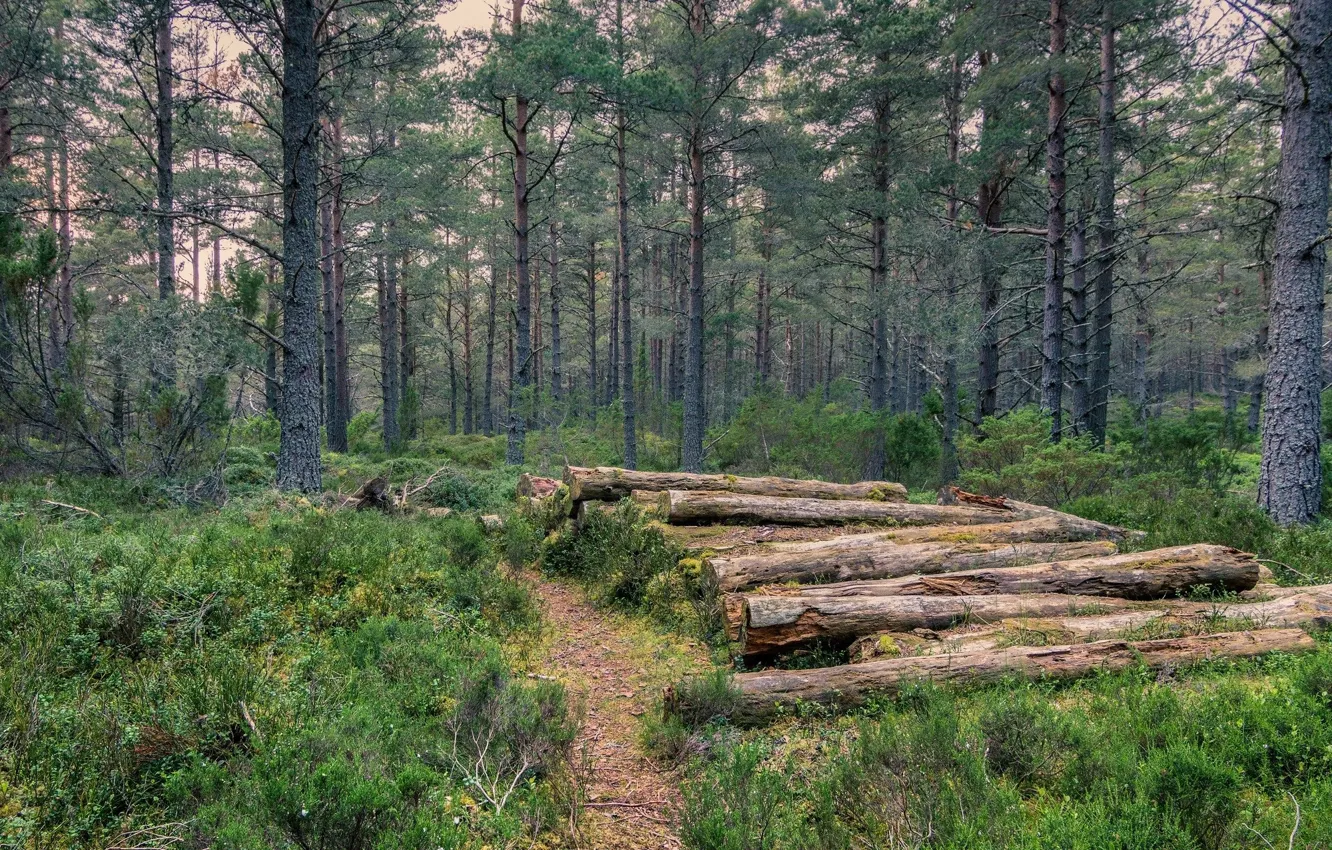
683	507
1052	325
1157	574
492	298
948	468
609	484
1079	364
556	344
163	119
691	446
1307	606
1291	477
863	557
622	234
1103	312
520	392
765	694
592	323
298	466
388	330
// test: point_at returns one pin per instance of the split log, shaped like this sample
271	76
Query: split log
1156	574
763	695
862	557
1309	607
536	487
609	484
682	507
491	522
774	624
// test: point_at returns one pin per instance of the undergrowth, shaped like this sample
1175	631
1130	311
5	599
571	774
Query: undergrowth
268	675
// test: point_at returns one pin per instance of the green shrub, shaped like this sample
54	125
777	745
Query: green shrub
1202	794
1025	739
740	804
1013	456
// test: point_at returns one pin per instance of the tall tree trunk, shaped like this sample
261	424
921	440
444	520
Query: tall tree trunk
1080	332
163	118
62	317
164	363
388	330
469	369
492	298
878	377
622	231
215	273
592	387
1052	325
948	469
1103	312
763	327
613	346
1291	476
556	351
298	465
406	362
520	390
990	209
691	446
451	350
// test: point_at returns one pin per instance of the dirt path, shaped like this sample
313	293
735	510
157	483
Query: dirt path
614	669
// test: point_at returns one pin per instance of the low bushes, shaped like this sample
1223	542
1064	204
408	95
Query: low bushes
268	675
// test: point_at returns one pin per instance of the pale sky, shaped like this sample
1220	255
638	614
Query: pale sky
468	14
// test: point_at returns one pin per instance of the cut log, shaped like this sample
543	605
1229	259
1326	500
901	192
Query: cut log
536	487
1041	527
683	507
861	557
609	484
774	624
764	695
1156	574
1304	606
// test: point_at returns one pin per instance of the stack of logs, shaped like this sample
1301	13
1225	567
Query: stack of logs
952	592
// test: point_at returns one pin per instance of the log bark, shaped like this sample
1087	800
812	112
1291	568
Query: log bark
1306	606
774	624
1157	574
763	695
683	507
609	484
862	557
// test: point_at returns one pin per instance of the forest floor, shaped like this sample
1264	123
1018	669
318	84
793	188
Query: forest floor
613	669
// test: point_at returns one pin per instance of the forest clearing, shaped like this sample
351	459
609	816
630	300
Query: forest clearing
689	424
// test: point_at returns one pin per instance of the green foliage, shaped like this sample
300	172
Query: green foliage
1121	760
627	563
1013	456
773	435
268	675
742	804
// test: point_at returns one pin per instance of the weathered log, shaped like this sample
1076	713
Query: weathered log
608	484
763	695
682	507
1303	606
1041	527
1155	574
490	522
862	557
775	624
535	486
